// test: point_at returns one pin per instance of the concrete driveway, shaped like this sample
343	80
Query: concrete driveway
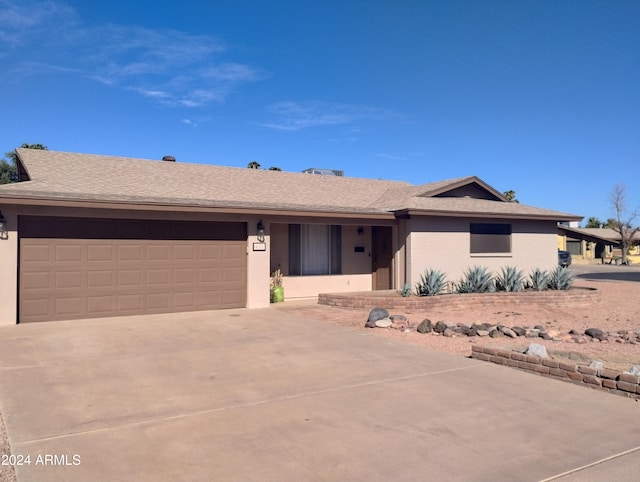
262	395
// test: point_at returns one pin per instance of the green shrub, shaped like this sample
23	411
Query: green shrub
538	280
476	280
431	283
560	278
509	279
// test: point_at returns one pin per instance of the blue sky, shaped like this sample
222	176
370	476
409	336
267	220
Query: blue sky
542	97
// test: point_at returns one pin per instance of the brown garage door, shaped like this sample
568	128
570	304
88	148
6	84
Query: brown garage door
84	268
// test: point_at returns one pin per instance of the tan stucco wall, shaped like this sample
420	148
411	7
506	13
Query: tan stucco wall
9	267
311	286
258	275
444	244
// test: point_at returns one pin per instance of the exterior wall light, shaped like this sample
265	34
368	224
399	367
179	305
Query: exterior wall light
360	231
260	231
3	223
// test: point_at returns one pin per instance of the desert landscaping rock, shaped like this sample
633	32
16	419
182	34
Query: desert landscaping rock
440	327
509	332
594	333
378	314
448	332
537	350
425	326
450	329
383	323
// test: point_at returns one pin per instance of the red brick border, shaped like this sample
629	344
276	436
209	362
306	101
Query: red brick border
391	300
604	379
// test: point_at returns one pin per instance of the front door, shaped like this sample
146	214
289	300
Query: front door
381	257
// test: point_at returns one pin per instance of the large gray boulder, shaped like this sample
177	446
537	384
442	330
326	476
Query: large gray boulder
375	315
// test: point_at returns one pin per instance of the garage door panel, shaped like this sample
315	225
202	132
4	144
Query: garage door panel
159	253
208	252
37	253
37	309
130	303
185	300
230	274
186	252
158	277
65	278
157	301
210	299
100	305
102	279
37	280
69	253
233	252
209	275
130	252
184	276
97	253
71	307
130	278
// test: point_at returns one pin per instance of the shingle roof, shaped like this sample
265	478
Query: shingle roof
606	234
62	176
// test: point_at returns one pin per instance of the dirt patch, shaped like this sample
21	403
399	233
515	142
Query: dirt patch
616	309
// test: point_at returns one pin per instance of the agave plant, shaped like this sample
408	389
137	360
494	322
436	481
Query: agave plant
560	278
509	279
538	280
406	291
431	283
476	280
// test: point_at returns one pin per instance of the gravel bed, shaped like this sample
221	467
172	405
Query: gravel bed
618	309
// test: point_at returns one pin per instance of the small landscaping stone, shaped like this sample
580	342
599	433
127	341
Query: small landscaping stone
425	326
537	350
440	327
594	333
383	323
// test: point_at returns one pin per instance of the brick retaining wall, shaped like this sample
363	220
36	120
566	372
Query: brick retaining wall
604	379
391	300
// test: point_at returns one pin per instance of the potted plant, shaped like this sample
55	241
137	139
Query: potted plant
277	290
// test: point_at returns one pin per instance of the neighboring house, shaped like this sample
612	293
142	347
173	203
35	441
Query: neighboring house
595	243
97	236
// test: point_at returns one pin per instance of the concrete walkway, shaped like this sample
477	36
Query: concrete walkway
262	395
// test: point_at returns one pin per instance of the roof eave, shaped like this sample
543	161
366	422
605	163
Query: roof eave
186	207
476	214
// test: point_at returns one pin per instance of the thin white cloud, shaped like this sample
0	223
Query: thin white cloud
294	116
399	157
23	21
168	66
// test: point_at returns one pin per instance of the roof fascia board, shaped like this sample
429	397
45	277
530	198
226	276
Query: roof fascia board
191	208
472	214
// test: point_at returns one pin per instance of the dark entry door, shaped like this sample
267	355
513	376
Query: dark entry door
381	258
